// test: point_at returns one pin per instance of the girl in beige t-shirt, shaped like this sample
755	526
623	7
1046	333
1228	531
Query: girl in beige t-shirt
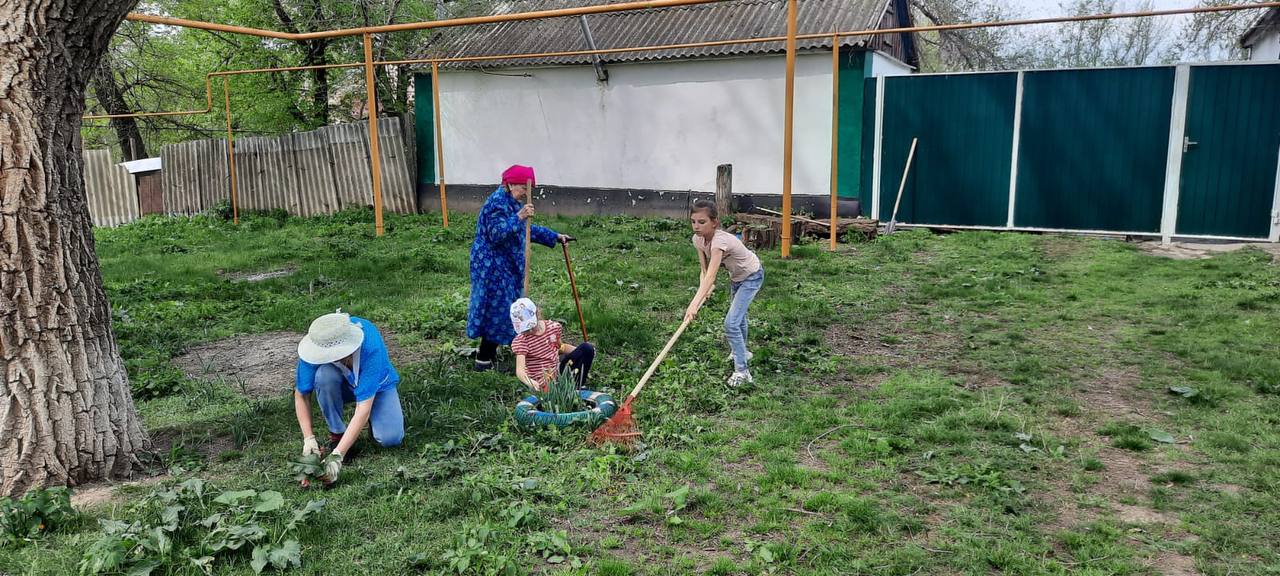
715	248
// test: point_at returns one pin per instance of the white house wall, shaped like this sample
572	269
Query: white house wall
1267	47
884	65
663	126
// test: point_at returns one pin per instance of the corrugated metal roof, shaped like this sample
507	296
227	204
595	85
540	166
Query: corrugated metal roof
728	20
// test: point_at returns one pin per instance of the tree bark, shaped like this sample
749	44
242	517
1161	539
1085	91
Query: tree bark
66	416
111	97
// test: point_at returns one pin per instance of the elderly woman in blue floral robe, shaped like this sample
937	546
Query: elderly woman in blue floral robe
497	262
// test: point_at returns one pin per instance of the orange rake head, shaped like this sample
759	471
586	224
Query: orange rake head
618	429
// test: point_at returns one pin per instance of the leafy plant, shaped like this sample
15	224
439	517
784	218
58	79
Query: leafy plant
188	526
480	551
308	469
982	475
34	514
553	547
561	394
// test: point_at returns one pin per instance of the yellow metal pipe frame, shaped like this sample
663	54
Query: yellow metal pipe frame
375	159
208	98
579	11
790	39
788	119
439	129
626	6
835	133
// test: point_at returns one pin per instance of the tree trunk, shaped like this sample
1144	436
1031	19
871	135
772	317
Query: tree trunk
314	53
66	416
111	97
320	81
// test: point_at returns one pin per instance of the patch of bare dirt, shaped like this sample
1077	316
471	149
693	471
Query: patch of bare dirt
1231	489
1202	250
744	468
897	339
591	530
1115	395
99	494
261	365
1060	246
1130	514
1169	563
813	461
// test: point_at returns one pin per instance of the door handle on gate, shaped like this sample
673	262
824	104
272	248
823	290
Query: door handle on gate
1187	143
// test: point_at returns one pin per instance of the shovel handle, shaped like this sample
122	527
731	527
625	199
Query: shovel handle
662	355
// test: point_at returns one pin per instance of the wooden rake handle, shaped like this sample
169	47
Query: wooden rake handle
574	285
528	233
661	355
902	185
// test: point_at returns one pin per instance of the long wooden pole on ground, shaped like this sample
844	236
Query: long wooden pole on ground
375	159
787	122
435	109
231	154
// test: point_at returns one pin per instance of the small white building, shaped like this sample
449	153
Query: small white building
1262	40
627	128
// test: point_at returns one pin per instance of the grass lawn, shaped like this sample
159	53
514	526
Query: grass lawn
970	403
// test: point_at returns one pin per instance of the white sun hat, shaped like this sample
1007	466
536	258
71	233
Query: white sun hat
524	315
330	338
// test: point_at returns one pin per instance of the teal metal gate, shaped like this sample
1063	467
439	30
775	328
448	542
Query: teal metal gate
1092	149
1188	151
1230	148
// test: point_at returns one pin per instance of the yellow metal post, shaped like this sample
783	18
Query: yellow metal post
231	154
375	160
435	108
788	119
835	132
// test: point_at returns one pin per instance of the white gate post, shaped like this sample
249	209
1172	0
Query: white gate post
1173	164
877	150
1017	139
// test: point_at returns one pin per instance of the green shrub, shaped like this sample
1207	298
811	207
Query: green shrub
34	514
189	527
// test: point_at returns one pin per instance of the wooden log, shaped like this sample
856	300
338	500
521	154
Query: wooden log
724	189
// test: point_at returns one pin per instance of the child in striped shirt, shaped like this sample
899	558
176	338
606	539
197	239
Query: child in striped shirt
540	352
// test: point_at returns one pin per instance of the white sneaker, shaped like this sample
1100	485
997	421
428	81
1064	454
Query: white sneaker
749	356
740	378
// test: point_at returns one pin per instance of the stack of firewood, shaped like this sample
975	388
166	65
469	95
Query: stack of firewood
764	232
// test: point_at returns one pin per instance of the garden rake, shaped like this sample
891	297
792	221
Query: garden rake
621	427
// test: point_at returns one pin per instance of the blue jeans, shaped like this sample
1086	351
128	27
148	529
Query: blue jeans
333	392
735	322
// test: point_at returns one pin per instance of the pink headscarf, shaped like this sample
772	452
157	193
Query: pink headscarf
518	174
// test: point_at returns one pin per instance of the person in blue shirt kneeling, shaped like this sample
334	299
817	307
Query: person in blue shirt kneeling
344	360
